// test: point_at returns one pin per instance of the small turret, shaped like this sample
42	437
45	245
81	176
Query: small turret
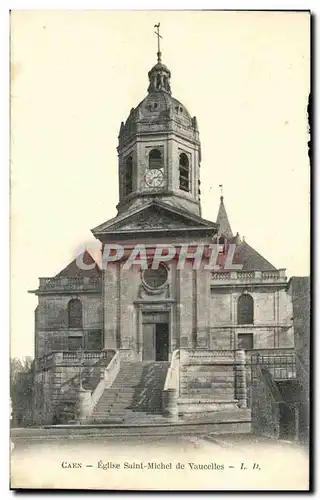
223	221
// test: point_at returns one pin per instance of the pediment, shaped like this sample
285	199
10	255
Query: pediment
154	217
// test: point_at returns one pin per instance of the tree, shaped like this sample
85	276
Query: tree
21	391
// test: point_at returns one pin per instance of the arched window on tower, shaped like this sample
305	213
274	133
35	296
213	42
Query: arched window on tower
184	177
128	176
75	313
155	159
245	310
158	81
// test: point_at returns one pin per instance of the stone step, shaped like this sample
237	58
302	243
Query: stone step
214	376
135	394
117	400
129	383
130	386
119	390
115	414
113	409
112	403
219	385
124	397
225	393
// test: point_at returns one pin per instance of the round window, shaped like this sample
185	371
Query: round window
155	278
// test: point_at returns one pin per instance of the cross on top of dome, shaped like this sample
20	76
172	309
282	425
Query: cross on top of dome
159	75
158	36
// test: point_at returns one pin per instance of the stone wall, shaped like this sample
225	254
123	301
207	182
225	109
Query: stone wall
171	147
264	409
187	324
272	327
299	291
56	388
52	330
185	298
52	310
42	409
215	381
111	305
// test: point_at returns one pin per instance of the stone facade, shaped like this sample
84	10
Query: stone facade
272	326
200	312
148	314
53	332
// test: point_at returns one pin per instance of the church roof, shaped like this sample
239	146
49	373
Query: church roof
158	108
251	259
73	270
155	109
223	221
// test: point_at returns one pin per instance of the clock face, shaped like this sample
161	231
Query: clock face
154	177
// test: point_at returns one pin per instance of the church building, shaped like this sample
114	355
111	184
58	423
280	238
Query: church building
101	327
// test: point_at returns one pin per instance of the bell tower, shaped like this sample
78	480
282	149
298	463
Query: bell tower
159	148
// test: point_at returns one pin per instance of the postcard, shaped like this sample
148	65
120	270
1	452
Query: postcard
160	297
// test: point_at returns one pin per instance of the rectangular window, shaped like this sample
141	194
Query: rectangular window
93	341
75	343
245	341
55	344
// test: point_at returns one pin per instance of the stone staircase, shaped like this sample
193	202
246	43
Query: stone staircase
135	395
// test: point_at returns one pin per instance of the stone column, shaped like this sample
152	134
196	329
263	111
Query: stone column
110	305
241	383
297	422
84	404
170	404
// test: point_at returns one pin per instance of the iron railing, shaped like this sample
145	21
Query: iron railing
280	366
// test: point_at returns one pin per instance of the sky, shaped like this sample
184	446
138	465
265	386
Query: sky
75	75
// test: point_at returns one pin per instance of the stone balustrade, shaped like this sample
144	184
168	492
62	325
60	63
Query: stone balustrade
108	376
171	390
203	356
222	278
78	283
70	358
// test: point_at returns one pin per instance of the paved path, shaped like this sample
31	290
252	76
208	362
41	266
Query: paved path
64	437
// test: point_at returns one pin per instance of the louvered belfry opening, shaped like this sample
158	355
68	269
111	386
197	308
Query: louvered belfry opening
155	159
184	178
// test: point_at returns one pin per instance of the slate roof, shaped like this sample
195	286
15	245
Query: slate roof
73	270
244	254
223	221
251	259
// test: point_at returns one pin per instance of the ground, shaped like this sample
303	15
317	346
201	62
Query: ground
44	458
